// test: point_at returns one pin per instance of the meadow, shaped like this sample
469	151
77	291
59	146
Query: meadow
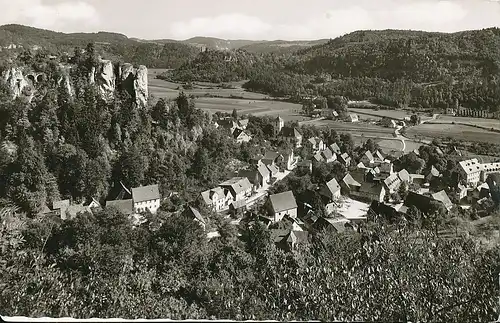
458	132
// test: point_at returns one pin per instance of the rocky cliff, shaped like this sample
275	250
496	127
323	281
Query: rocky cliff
106	75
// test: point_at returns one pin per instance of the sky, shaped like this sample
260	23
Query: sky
255	19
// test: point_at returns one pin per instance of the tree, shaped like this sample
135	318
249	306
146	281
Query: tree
27	178
235	114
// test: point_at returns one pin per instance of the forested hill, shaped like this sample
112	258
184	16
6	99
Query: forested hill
400	68
112	45
414	55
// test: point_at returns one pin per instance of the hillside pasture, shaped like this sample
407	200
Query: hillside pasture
170	90
287	111
487	123
458	132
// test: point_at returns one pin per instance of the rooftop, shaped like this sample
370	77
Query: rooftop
145	193
283	201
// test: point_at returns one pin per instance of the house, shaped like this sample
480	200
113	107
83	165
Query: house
335	148
282	204
329	114
270	157
146	198
404	176
426	202
305	166
442	197
392	183
353	117
239	187
433	173
349	184
386	168
194	214
243	123
292	135
417	179
367	158
337	225
264	176
317	143
391	213
216	198
229	124
256	160
378	156
328	155
345	159
124	206
241	136
273	170
237	208
461	192
67	211
330	190
478	193
489	168
318	157
470	171
370	191
288	240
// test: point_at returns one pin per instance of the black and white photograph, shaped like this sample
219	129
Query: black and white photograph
264	160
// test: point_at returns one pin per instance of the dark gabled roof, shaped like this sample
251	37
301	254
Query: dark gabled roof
283	201
238	204
124	206
145	193
195	213
339	225
291	132
238	184
371	188
271	155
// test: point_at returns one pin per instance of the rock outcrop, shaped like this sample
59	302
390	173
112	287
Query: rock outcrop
20	85
133	80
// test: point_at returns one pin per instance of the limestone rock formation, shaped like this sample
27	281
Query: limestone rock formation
135	82
18	83
127	77
104	76
141	86
65	79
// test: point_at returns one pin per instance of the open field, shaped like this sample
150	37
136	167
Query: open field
488	123
288	111
165	89
458	132
395	114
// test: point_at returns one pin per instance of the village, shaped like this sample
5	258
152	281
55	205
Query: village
371	187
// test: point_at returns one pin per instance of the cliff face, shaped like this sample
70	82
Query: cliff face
106	76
